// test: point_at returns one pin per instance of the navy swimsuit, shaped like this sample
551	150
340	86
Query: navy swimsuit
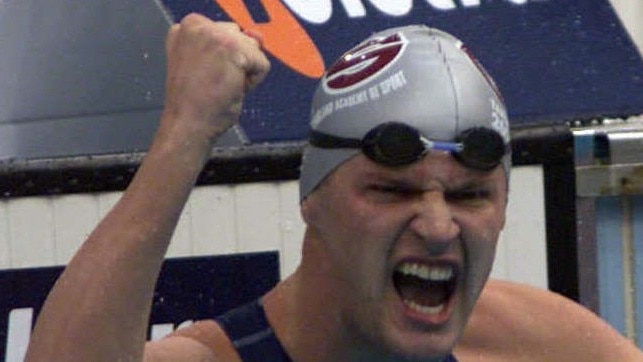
251	334
253	337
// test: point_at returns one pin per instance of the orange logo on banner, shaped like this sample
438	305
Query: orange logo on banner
283	35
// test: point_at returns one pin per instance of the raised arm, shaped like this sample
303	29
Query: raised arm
99	308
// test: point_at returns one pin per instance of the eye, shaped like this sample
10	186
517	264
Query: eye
390	189
468	195
393	190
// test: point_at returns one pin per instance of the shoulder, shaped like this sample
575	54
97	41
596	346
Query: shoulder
203	341
520	321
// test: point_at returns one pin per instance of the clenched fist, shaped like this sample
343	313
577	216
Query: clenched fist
211	65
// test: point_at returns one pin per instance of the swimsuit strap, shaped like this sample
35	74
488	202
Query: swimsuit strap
251	334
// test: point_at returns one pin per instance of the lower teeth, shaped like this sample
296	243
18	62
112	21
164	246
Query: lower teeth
424	309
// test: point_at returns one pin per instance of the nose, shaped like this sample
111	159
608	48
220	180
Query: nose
434	222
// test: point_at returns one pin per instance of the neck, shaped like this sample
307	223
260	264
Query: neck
306	319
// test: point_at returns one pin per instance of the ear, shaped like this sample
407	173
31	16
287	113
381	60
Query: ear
304	209
503	223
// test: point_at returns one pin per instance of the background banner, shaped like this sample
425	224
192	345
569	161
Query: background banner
553	60
188	289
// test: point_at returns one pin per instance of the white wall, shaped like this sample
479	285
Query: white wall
44	231
631	14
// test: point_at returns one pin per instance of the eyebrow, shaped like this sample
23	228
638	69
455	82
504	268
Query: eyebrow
469	184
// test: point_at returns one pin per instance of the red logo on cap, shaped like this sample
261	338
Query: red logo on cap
363	62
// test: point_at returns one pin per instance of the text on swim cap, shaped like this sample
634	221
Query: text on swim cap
387	86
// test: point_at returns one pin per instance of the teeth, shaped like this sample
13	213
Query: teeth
426	272
424	309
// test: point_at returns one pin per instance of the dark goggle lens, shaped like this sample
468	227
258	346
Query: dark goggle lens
483	148
393	144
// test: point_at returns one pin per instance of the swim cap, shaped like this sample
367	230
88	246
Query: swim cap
416	75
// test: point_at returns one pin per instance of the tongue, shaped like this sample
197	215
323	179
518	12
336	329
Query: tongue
422	292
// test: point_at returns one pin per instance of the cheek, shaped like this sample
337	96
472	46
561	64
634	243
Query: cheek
348	215
481	239
340	222
356	231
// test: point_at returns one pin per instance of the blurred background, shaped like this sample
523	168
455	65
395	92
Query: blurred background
631	13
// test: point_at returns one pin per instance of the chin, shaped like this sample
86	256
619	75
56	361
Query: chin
424	346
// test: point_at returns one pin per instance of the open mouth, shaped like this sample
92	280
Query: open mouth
425	288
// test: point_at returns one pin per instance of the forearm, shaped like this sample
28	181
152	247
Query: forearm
99	308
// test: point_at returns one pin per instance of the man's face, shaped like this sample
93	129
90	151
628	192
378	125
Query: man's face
409	249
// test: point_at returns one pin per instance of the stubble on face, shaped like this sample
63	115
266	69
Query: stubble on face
360	216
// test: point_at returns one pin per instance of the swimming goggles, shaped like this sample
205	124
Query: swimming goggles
395	144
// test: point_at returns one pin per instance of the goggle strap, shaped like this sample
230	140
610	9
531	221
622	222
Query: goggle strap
324	140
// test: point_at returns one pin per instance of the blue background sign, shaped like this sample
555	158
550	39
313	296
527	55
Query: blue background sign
554	61
188	289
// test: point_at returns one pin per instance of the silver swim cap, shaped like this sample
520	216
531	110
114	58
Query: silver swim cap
416	75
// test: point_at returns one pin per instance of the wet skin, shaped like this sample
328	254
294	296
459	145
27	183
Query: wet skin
366	220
